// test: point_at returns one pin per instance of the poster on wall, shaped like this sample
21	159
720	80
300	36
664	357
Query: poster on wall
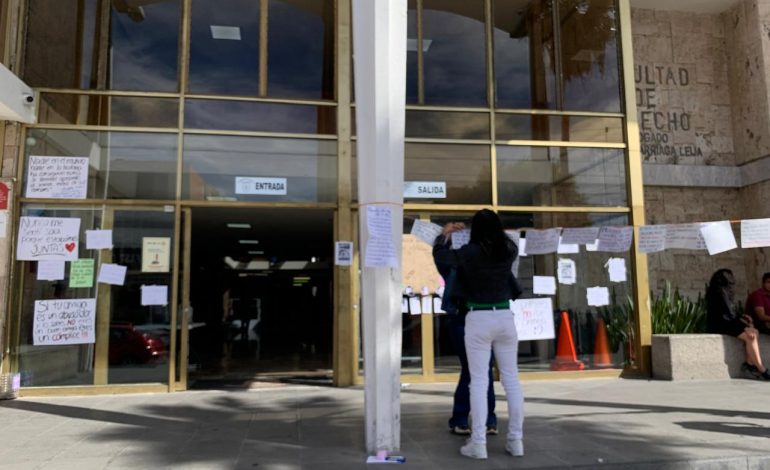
156	253
48	239
343	253
64	321
57	177
533	318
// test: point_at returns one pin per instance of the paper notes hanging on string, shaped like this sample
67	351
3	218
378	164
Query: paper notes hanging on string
98	239
533	318
567	248
617	269
64	321
615	239
82	273
57	177
426	231
460	238
652	238
580	236
718	237
598	296
755	233
544	285
50	270
684	237
541	242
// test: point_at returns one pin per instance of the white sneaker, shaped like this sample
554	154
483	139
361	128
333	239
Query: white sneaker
474	450
515	447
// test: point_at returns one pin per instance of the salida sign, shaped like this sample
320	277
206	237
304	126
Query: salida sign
658	125
425	189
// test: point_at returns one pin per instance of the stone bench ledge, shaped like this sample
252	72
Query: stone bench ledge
701	356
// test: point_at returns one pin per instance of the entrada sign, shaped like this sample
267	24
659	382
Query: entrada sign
260	185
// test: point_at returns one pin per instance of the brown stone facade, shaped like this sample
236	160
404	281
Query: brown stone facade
702	95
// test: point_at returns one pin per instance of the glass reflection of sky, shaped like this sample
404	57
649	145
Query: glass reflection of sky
300	49
144	53
309	165
223	66
455	63
252	116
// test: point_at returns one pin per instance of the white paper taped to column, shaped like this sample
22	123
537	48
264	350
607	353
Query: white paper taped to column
652	238
57	177
64	321
343	253
718	236
755	233
380	248
533	318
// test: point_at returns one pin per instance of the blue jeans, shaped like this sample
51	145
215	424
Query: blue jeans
462	399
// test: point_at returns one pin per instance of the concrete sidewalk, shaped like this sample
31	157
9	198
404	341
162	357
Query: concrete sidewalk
597	423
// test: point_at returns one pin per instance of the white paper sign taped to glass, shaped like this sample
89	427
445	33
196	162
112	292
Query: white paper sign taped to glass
64	321
48	238
98	239
156	254
154	295
567	271
261	186
424	190
57	177
50	270
426	231
343	253
533	318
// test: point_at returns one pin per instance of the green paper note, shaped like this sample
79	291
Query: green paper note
82	273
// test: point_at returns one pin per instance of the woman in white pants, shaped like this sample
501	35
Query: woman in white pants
484	273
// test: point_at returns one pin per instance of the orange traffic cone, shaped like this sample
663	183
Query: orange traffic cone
566	359
602	346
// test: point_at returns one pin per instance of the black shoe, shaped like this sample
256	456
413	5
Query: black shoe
764	375
751	370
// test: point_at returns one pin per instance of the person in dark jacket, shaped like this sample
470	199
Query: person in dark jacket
454	303
484	272
721	318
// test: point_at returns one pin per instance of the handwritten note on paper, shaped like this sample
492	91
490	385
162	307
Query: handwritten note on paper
154	295
652	238
57	177
617	269
533	318
50	270
718	237
755	233
580	236
114	274
460	238
380	247
48	238
598	296
685	237
98	239
567	271
544	285
82	273
64	321
541	242
426	231
615	239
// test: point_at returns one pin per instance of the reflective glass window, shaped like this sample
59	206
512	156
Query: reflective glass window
561	176
123	165
107	110
525	75
570	308
300	45
448	125
412	58
224	47
454	53
564	128
258	116
413	272
589	48
224	168
465	169
66	45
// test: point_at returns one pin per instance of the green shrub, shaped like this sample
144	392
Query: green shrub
671	313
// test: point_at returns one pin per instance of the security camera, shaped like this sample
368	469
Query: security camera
28	98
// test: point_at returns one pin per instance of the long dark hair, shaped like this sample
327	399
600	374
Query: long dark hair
721	286
487	231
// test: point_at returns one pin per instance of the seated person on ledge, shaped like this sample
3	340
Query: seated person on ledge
722	319
758	306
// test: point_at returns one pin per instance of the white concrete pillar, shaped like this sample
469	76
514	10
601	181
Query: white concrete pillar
379	42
